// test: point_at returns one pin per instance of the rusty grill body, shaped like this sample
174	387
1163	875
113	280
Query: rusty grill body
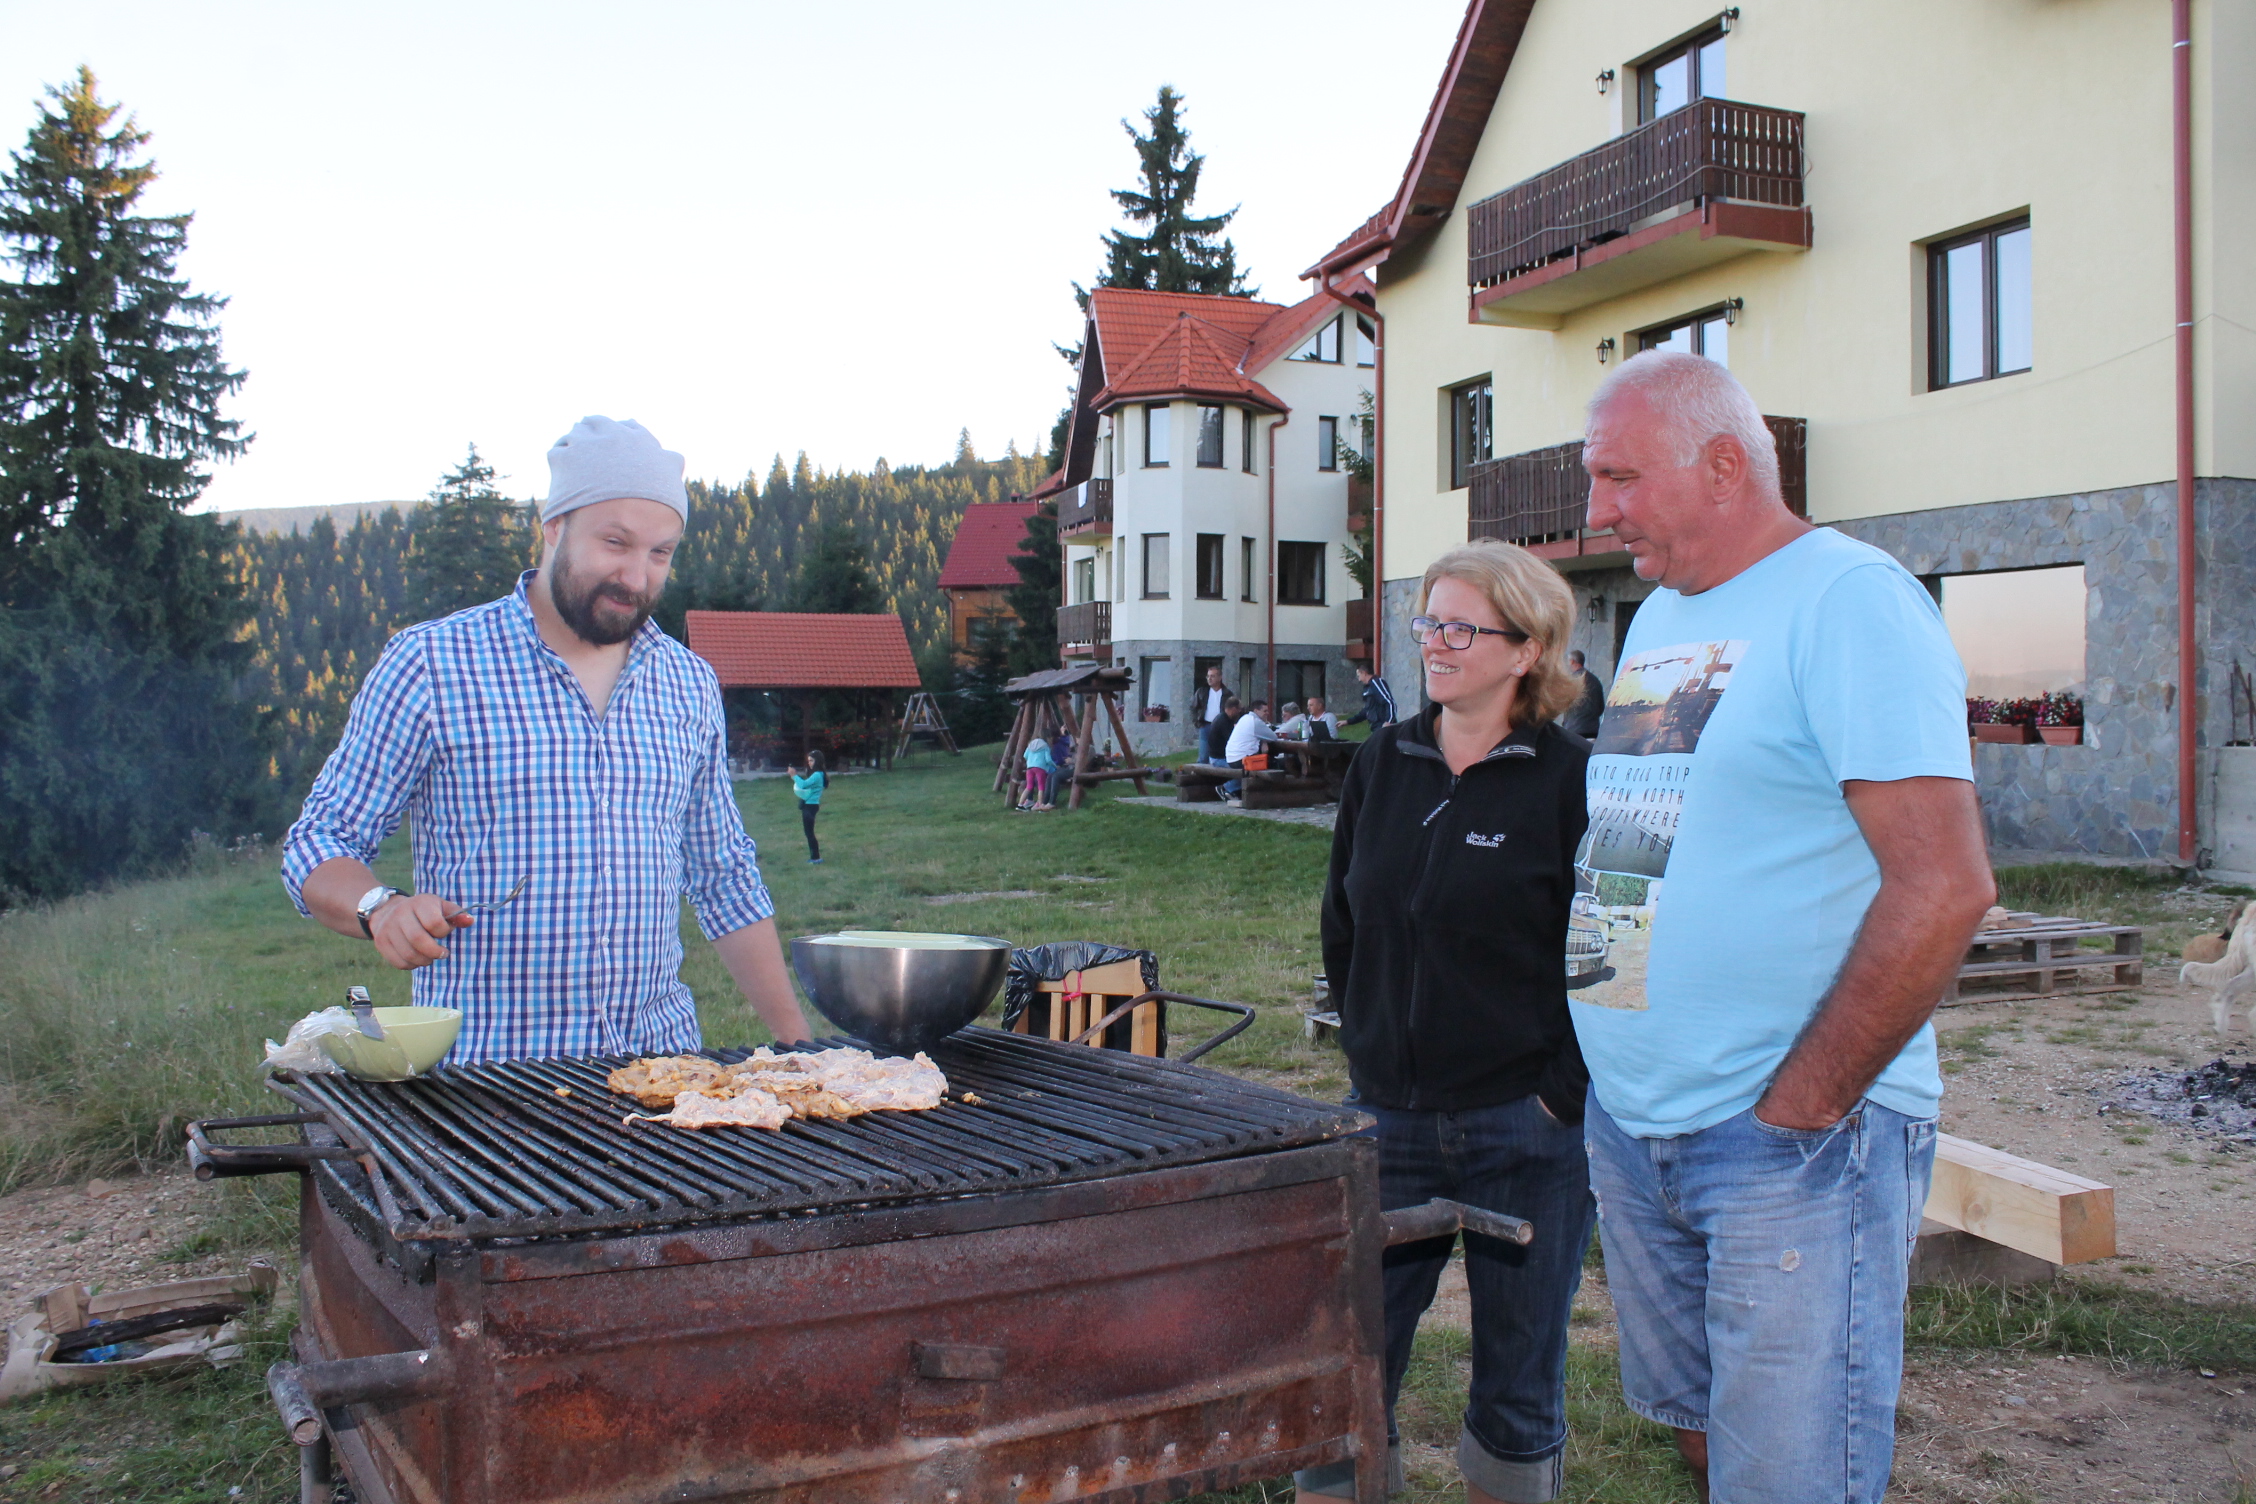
1107	1278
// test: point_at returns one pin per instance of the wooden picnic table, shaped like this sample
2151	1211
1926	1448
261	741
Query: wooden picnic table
1327	760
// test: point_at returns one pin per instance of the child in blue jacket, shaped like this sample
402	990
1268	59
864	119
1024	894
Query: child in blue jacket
808	782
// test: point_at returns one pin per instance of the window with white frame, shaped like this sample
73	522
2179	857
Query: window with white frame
1155	434
1085	579
1366	342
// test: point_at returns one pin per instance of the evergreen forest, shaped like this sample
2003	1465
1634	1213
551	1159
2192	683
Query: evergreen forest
327	600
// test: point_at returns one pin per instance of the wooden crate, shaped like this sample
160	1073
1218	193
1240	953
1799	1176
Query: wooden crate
2046	958
1070	1006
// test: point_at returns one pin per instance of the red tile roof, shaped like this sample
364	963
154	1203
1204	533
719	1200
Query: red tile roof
803	650
986	539
1130	321
1192	359
1288	329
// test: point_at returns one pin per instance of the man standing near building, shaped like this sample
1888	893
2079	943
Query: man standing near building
553	736
1582	719
1211	726
1378	700
1787	784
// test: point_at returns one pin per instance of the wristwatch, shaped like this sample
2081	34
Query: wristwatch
370	901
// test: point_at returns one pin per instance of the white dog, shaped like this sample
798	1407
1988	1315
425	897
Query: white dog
2233	976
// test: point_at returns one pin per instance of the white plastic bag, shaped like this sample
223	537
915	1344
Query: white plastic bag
302	1051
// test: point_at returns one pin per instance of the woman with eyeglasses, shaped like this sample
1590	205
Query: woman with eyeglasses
1445	936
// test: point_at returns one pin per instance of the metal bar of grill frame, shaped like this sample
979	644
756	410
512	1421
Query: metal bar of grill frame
1078	1113
1709	149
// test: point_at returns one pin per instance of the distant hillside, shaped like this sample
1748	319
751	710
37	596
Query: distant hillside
298	519
332	583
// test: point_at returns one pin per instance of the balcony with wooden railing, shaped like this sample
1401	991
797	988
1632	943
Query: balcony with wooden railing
1713	180
1085	511
1085	631
1541	499
1359	632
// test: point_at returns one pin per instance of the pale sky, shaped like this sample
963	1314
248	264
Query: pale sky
2020	632
754	227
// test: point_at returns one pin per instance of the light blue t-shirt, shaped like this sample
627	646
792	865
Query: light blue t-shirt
1722	869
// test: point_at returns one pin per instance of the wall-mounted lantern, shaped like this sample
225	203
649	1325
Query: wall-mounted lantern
1605	349
1606	81
1730	19
1732	307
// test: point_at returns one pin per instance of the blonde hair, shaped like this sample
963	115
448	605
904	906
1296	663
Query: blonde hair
1531	597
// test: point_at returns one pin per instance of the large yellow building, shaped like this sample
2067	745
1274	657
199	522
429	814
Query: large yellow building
1935	239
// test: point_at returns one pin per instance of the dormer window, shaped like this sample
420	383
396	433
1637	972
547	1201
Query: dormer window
1366	342
1690	70
1324	344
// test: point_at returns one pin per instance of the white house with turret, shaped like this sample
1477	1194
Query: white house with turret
1205	507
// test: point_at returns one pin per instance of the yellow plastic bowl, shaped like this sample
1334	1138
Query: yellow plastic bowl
415	1039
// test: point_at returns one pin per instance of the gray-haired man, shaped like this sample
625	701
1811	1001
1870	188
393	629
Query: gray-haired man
1784	780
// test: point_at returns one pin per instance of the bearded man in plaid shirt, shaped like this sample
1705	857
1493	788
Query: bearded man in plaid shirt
556	736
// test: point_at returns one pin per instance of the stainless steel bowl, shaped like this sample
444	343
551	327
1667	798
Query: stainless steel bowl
900	998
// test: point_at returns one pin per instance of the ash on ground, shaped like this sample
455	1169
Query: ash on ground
2219	1098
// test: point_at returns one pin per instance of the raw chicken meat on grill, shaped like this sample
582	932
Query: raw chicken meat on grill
768	1089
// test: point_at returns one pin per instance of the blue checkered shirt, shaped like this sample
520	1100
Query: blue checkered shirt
477	730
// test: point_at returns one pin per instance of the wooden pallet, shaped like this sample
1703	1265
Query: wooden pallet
2045	957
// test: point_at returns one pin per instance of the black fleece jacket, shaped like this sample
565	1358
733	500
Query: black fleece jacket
1445	921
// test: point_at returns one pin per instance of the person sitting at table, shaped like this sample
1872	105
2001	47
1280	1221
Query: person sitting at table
1302	727
1246	737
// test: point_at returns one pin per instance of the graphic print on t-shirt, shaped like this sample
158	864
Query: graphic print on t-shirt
1647	744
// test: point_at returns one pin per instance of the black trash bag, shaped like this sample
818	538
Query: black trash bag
1060	959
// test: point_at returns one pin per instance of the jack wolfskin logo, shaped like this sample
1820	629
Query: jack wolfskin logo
1486	843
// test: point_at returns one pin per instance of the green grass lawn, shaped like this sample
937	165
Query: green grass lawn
123	1014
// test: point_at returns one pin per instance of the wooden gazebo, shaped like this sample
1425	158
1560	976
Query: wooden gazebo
1045	703
807	655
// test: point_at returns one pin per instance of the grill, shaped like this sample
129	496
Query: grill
500	1151
1088	1275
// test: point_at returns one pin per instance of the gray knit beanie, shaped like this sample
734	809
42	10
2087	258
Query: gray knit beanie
605	460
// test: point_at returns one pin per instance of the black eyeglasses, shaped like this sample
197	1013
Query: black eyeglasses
1456	635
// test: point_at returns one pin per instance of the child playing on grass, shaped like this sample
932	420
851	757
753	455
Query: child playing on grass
808	781
1040	763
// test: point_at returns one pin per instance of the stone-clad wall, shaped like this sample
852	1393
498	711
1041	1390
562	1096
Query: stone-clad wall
2117	794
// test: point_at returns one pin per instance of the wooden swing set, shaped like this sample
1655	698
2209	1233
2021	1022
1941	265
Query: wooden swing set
1045	706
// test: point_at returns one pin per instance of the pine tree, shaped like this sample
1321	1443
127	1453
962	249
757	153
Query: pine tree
110	384
1181	252
121	731
1040	590
471	542
834	576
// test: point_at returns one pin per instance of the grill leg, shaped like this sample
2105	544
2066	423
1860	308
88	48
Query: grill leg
316	1476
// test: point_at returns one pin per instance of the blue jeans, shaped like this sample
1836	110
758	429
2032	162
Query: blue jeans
1516	1159
1758	1276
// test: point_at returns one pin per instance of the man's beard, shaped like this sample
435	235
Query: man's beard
576	601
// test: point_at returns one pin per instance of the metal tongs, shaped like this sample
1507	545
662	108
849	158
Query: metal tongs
363	1012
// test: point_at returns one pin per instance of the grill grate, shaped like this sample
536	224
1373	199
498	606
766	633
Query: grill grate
492	1151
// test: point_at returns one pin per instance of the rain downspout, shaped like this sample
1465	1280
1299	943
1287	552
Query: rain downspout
1269	541
2181	109
1378	461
